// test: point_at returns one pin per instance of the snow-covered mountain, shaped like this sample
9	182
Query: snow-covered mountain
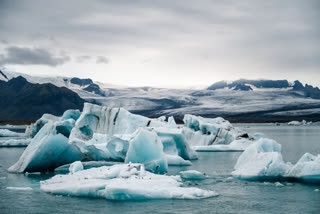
242	100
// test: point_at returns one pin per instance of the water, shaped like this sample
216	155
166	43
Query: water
235	196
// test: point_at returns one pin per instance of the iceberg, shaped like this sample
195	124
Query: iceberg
75	167
217	134
34	128
307	169
122	182
8	133
146	148
175	160
48	149
193	175
263	161
15	142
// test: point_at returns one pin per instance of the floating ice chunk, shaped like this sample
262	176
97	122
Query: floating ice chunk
261	160
307	169
146	148
278	184
172	122
295	123
175	160
235	146
316	190
162	118
108	121
206	132
15	142
8	133
193	175
33	129
86	165
75	167
20	188
47	150
122	182
174	143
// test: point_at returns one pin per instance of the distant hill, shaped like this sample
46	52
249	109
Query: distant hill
22	100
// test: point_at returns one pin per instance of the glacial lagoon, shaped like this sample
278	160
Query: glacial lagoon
21	192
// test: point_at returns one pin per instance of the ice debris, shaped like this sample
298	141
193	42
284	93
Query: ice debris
193	175
8	133
75	167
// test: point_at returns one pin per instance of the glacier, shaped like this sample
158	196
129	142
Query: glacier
122	182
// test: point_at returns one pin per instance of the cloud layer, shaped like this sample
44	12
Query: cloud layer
147	42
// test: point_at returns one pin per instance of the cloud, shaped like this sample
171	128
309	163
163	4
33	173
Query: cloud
102	59
82	59
31	56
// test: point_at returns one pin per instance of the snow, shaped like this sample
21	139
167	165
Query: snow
146	148
8	133
14	142
75	167
122	182
193	175
263	160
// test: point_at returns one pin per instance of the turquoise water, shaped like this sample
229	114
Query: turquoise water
235	196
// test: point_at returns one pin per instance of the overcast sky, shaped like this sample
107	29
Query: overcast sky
165	43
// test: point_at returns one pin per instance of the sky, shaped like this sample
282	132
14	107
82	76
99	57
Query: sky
167	43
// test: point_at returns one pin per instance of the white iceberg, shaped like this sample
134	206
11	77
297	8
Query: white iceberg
122	182
75	167
8	133
307	169
15	142
216	134
175	160
193	175
261	160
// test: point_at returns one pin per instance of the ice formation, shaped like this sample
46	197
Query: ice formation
215	134
75	167
146	148
122	182
193	175
49	148
263	161
8	133
15	142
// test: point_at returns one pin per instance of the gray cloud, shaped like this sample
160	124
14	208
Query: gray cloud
102	59
249	36
82	59
31	56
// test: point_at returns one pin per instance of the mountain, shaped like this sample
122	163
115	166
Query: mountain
250	85
22	100
238	101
